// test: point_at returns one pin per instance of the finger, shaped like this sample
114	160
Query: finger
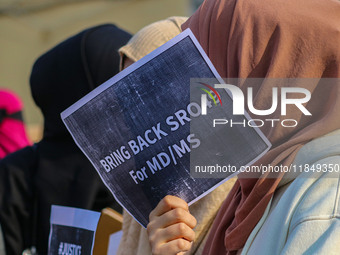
172	217
177	231
173	247
168	203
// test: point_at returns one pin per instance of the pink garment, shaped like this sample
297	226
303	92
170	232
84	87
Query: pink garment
12	130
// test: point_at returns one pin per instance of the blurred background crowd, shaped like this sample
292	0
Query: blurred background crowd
30	28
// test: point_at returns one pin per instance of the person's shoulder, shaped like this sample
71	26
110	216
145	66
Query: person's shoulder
315	224
320	202
20	158
317	186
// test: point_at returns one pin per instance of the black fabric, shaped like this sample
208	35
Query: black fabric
73	68
56	171
3	114
15	115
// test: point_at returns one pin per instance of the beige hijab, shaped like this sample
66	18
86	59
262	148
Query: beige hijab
135	239
270	39
151	37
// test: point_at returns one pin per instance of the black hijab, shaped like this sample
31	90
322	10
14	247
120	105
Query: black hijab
55	171
72	69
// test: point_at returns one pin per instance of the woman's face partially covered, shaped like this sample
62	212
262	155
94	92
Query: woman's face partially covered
127	62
